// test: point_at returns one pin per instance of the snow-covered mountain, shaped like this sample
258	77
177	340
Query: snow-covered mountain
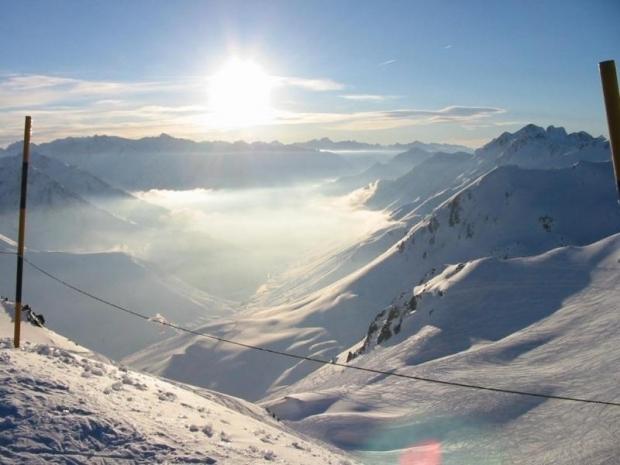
536	147
394	168
58	217
60	403
509	212
546	324
326	143
438	177
96	191
429	183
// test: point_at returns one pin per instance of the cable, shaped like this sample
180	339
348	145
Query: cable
314	359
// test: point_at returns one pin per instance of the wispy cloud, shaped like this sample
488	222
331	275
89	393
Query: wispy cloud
452	113
367	97
64	106
449	46
387	62
69	106
389	119
316	85
40	90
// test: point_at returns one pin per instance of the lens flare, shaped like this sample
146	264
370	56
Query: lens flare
423	453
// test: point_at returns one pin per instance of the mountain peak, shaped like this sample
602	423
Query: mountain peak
530	130
535	147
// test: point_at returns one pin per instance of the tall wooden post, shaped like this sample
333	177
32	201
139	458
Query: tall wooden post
22	231
609	80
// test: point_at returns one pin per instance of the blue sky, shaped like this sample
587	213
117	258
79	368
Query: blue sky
454	71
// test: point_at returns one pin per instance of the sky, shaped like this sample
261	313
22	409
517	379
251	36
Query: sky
374	71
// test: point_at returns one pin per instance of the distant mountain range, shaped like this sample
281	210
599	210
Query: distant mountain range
167	143
165	162
351	145
172	163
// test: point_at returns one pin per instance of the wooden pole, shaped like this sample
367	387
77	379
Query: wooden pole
609	80
22	231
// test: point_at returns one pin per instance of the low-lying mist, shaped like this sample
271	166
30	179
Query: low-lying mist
229	242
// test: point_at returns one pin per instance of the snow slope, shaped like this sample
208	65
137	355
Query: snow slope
114	276
547	323
506	213
59	403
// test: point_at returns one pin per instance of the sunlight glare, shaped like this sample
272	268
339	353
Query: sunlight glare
240	94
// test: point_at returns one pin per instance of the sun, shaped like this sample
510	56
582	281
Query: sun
240	95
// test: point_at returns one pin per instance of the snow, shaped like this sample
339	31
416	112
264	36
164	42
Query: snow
60	403
117	277
500	268
509	212
547	324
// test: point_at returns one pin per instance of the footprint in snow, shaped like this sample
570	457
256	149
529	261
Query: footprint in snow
167	396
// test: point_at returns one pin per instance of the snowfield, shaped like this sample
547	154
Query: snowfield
508	212
60	403
545	324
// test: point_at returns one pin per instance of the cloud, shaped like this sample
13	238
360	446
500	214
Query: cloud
35	90
64	106
389	119
387	62
449	46
447	113
367	97
316	85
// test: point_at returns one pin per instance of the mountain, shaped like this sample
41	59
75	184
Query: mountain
508	212
81	146
57	216
61	403
394	168
429	183
535	147
96	191
166	162
546	324
351	145
441	175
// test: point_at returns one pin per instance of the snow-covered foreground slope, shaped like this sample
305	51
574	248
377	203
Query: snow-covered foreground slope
509	212
59	403
545	324
114	276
